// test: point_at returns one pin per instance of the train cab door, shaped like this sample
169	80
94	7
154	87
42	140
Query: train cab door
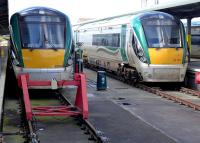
123	42
130	47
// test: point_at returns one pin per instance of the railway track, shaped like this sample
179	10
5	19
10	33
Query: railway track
29	130
172	96
96	135
175	95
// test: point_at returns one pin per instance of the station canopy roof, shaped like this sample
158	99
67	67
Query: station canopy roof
182	9
4	17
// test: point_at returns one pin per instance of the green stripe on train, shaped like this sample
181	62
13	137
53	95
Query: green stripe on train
16	38
123	43
137	27
68	42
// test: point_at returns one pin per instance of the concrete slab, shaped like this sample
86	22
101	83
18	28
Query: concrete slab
12	121
180	123
3	67
121	126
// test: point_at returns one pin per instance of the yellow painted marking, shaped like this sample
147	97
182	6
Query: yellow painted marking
166	55
43	58
189	41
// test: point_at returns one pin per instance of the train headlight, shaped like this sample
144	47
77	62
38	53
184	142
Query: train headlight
70	61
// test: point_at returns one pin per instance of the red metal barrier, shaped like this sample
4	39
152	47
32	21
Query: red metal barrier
81	96
197	77
81	102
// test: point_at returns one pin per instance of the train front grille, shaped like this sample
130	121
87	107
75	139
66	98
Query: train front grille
166	74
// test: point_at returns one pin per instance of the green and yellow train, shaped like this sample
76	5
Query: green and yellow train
42	44
148	46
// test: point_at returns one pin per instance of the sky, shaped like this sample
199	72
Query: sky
76	9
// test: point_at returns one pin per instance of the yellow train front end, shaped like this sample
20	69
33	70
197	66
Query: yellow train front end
43	58
160	48
42	44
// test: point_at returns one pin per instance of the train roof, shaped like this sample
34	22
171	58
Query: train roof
106	22
114	21
40	10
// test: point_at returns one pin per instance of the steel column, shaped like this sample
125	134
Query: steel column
189	32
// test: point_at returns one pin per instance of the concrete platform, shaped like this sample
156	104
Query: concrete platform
3	67
123	113
148	118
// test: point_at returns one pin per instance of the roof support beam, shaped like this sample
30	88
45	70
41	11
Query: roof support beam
189	32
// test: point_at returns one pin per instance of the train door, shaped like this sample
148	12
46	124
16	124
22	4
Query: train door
123	42
130	47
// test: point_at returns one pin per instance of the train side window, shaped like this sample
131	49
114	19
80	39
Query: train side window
195	40
109	40
133	41
134	44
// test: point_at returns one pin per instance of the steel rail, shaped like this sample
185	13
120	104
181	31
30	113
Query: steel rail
95	134
30	131
190	91
170	97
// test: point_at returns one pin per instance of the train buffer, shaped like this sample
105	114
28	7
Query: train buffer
81	101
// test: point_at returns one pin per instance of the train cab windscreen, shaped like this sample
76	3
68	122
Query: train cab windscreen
162	32
39	32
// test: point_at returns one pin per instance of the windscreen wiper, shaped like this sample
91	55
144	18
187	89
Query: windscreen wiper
50	43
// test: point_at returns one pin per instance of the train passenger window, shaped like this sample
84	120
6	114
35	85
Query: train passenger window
111	40
195	40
